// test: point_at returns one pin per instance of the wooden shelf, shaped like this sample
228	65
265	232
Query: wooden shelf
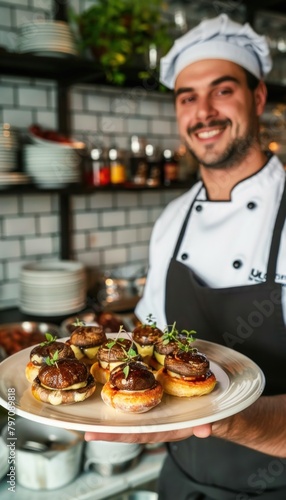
66	70
71	70
78	189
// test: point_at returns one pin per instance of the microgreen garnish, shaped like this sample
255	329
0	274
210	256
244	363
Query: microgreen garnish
188	340
150	321
183	339
169	336
49	339
53	360
78	322
127	355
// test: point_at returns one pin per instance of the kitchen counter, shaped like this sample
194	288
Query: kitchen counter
93	486
15	315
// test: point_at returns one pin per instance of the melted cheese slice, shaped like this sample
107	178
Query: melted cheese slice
110	366
77	352
176	375
90	352
71	387
173	374
145	350
37	359
160	357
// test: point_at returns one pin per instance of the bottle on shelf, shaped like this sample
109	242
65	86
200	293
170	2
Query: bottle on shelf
98	171
170	167
188	164
117	166
155	171
138	163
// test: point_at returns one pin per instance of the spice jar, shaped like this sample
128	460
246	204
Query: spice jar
154	163
171	168
117	166
138	163
98	170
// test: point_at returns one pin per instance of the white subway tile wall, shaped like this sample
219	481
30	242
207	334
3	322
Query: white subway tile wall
108	229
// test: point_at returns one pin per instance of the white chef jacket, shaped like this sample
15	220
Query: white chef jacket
218	234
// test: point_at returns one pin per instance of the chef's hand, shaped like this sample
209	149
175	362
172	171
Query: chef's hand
201	431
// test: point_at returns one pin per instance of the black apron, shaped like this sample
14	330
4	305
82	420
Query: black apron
248	319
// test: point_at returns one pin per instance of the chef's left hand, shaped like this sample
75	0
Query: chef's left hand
201	431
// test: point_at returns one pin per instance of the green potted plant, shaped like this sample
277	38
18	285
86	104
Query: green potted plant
120	34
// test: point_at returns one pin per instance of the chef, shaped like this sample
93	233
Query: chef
218	262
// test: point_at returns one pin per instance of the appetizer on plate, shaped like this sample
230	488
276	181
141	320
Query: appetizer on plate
186	371
63	381
44	350
85	341
132	388
112	353
145	336
166	344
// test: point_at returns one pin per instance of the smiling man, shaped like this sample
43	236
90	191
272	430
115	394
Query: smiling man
205	250
218	114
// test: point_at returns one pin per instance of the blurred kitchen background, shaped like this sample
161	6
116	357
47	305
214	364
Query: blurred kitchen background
107	229
88	160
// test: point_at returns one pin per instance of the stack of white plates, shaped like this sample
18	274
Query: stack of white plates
52	166
8	147
13	179
47	38
52	288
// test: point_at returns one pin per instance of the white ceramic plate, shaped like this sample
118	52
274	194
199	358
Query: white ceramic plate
240	383
45	142
57	268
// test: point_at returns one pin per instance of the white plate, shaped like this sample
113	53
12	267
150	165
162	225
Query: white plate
54	268
240	383
47	303
75	144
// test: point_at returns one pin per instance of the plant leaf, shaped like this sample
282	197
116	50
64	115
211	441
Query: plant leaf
126	370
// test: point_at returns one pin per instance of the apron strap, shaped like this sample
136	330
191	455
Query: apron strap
275	243
183	228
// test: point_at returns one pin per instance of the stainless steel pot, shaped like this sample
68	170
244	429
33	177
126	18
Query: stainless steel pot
120	284
46	457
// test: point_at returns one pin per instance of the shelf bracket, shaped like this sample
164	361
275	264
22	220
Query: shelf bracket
65	226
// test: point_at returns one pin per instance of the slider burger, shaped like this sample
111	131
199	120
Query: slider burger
132	388
85	341
167	344
186	372
45	350
145	336
63	381
110	354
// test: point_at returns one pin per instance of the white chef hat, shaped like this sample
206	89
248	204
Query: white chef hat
217	38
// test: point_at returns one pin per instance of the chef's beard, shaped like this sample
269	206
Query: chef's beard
233	154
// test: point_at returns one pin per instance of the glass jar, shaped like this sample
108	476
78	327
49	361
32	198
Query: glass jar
98	173
138	163
170	167
155	177
117	166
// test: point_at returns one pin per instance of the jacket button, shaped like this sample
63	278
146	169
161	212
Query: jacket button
199	208
251	205
184	256
237	264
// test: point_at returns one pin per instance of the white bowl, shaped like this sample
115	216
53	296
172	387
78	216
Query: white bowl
110	458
